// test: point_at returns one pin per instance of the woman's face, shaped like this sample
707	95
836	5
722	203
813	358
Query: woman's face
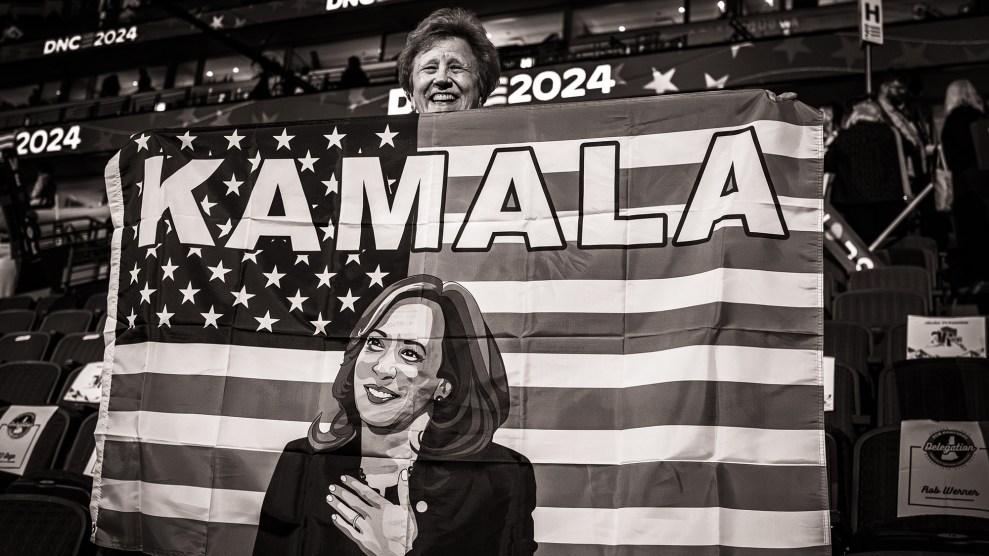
395	375
444	78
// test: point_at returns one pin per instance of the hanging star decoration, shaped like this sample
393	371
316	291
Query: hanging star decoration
662	82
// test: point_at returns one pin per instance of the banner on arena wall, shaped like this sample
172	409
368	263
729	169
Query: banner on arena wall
20	427
546	303
945	337
88	384
943	469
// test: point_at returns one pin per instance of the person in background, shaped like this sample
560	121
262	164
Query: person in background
353	76
868	188
963	106
448	63
43	191
144	81
110	86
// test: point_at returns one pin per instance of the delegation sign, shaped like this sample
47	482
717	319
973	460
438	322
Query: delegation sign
943	469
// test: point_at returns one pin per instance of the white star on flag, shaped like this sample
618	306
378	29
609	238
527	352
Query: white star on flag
131	318
353	258
169	270
197	251
234	140
151	251
274	277
225	228
324	278
662	82
233	185
283	140
736	47
164	316
327	231
334	138
332	186
712	83
146	293
348	301
388	137
219	273
207	205
253	257
320	325
255	160
142	142
307	162
217	22
242	297
211	317
377	277
189	294
265	322
296	301
186	141
302	259
134	273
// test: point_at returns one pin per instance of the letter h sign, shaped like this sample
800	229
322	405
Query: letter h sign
871	21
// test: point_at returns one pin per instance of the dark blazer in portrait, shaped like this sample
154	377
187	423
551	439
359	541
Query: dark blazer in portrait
478	505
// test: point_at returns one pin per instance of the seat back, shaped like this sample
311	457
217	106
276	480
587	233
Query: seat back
24	346
66	321
16	302
32	524
78	349
875	477
56	302
896	344
83	446
847	402
16	320
939	389
48	446
96	303
878	308
896	278
851	345
28	382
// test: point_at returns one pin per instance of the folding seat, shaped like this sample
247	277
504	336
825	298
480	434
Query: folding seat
48	446
874	520
96	303
16	302
835	280
31	525
73	481
78	348
896	344
16	320
847	414
75	398
897	278
66	321
851	345
100	324
55	302
940	389
28	382
838	459
24	346
878	310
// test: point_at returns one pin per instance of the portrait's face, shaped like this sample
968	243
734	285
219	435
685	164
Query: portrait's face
444	78
395	375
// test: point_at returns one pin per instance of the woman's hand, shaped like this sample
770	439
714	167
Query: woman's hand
379	527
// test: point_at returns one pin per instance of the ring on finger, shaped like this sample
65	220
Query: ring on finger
354	523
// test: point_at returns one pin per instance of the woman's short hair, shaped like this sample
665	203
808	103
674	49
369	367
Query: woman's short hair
446	23
462	423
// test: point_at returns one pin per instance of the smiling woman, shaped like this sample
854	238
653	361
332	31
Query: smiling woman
402	447
448	63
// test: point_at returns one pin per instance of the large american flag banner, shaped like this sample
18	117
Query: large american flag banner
650	269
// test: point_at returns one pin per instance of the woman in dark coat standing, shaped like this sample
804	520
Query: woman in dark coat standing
964	107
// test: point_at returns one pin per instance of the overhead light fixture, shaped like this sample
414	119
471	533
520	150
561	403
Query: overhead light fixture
621	28
237	70
526	62
209	73
721	5
160	107
682	10
134	83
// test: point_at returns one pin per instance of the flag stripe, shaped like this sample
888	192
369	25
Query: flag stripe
637	187
638	151
702	403
680	526
797	216
731	285
606	118
547	370
729	485
645	526
602	447
738	251
558	549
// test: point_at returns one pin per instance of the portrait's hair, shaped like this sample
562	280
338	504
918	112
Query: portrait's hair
447	23
463	422
961	92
